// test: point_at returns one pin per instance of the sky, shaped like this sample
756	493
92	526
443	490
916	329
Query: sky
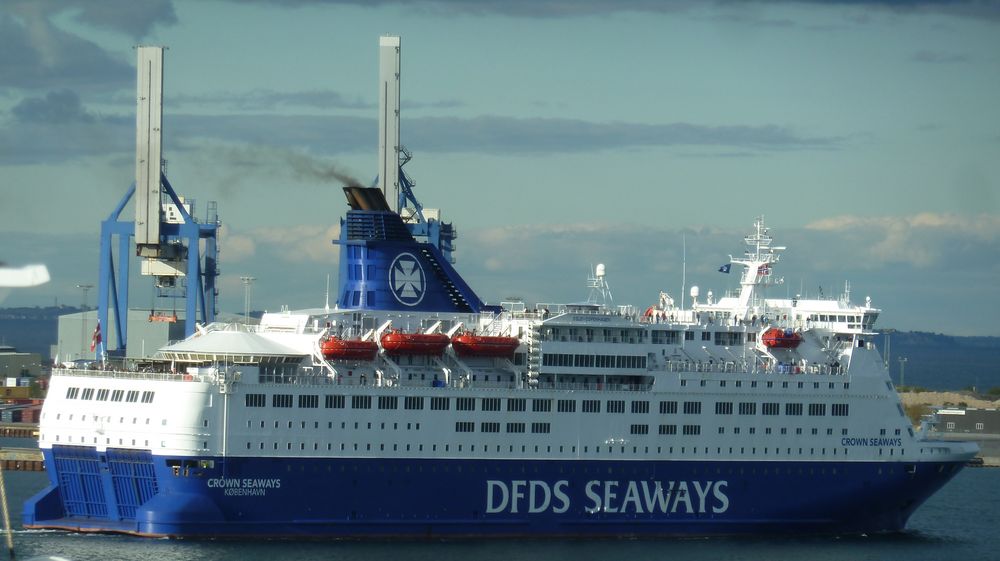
646	135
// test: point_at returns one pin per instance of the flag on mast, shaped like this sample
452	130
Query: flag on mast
96	338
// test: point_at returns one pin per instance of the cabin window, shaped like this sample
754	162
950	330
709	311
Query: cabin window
639	429
541	405
668	407
490	403
692	407
668	429
540	428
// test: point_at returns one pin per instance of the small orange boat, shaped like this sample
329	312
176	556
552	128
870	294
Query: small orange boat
335	348
777	338
469	344
421	344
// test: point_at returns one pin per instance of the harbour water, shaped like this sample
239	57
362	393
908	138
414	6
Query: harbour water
960	521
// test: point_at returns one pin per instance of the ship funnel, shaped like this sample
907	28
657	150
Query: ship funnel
366	198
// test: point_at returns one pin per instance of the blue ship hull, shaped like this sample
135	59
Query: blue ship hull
330	498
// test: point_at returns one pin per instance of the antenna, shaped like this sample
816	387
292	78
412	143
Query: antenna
327	305
684	266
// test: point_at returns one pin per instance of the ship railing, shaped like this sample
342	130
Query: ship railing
594	386
138	374
739	367
729	366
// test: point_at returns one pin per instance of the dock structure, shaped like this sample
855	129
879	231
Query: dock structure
21	459
18	430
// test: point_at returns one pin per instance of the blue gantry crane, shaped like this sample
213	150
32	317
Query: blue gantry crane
180	253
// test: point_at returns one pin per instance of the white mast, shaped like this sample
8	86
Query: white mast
757	261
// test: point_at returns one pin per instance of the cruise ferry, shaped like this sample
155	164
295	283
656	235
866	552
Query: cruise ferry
412	408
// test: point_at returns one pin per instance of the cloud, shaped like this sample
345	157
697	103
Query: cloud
135	19
935	256
57	107
34	54
540	135
57	127
925	240
902	262
300	244
261	99
978	9
235	246
490	134
320	134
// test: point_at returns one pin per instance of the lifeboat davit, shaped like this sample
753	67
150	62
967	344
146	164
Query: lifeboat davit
423	344
777	338
335	348
470	344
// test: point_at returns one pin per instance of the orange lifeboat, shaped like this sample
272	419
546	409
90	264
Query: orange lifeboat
469	344
777	338
422	344
335	348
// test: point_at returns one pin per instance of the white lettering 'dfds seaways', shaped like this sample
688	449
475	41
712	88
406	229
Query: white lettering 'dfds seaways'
640	497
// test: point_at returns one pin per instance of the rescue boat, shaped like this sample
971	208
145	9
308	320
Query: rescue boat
777	338
422	344
335	348
469	344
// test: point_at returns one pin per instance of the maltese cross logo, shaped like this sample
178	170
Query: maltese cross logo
406	279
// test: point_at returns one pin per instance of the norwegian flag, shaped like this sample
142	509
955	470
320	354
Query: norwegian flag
96	338
764	270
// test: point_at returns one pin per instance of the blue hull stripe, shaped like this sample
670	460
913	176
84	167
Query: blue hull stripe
363	497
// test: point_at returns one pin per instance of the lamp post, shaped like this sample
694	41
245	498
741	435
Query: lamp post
902	372
247	281
888	348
